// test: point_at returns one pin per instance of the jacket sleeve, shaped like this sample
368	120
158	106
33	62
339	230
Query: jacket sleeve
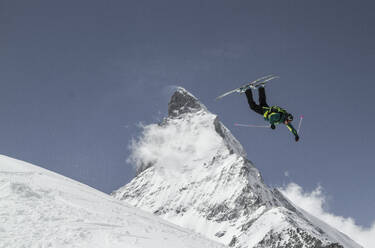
292	129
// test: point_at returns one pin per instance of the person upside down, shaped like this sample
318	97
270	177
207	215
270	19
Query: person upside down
274	115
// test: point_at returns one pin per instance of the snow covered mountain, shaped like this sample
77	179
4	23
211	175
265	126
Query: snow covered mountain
39	208
194	173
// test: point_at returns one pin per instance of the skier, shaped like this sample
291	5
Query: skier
274	115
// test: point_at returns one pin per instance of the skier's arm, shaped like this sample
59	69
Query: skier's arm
293	131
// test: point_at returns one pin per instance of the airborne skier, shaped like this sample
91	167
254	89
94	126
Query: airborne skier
274	115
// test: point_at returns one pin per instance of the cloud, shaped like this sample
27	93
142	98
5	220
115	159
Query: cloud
315	203
176	146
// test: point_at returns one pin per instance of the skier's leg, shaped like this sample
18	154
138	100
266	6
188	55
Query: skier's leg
252	104
262	97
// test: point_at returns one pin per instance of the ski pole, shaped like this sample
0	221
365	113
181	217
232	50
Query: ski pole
249	125
300	123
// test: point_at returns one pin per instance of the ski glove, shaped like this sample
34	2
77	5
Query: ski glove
273	126
297	138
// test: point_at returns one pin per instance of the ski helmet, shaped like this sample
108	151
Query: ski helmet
289	117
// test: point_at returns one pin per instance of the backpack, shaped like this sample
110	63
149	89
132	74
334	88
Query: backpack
274	109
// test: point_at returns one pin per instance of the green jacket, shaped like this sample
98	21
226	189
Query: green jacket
278	116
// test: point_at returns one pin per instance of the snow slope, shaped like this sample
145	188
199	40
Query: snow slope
39	208
194	173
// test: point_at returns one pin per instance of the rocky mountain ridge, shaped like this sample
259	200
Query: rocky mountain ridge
193	172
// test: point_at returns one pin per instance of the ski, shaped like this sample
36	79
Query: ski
255	85
237	89
252	84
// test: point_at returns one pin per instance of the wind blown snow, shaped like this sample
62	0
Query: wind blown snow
177	145
314	202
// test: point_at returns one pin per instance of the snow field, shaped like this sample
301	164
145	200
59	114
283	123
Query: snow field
39	208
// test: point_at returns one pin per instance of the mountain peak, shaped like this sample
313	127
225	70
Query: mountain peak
182	101
189	138
194	173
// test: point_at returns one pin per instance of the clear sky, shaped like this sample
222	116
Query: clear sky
77	76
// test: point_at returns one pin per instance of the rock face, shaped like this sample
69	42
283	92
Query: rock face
183	102
197	176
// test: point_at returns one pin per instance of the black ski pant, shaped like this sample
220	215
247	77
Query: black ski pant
262	100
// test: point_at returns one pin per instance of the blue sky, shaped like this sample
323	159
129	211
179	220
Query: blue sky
78	76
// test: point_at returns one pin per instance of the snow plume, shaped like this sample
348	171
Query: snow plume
176	145
314	202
